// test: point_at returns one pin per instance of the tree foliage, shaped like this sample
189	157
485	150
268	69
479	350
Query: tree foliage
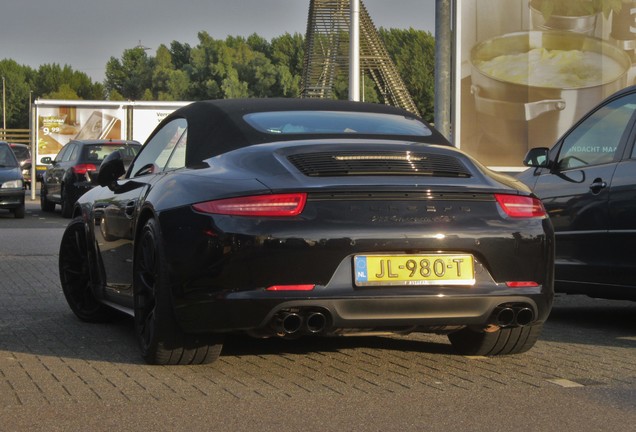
413	52
215	68
24	84
131	75
17	84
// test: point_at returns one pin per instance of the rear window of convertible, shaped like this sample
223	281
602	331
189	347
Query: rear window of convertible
335	122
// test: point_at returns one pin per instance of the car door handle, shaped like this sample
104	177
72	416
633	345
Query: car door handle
597	185
129	209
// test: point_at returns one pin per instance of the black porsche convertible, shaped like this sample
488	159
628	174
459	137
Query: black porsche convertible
296	217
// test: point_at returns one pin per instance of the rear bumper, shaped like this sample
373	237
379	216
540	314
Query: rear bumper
222	266
263	315
11	198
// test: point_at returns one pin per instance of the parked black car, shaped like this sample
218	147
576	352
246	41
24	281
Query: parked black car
286	217
75	168
587	182
23	155
11	182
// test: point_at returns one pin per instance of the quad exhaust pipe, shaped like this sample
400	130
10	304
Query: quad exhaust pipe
316	322
289	323
513	316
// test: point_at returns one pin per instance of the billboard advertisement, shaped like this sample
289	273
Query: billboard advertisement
147	115
527	70
60	121
58	124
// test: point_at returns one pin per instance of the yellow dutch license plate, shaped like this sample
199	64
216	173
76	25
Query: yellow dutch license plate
443	269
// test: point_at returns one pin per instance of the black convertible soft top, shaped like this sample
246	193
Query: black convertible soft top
218	126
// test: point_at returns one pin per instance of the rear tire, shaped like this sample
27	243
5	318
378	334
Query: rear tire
75	276
514	340
18	212
160	339
45	204
67	204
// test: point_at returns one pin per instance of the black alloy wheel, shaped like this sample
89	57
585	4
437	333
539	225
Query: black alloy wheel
75	276
157	331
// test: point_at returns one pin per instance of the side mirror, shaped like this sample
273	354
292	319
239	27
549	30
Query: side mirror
538	157
26	166
46	160
111	169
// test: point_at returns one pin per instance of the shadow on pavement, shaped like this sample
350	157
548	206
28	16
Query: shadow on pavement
584	320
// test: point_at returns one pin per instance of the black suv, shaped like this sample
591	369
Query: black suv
11	182
73	170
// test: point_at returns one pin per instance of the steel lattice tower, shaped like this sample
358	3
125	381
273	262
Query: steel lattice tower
327	51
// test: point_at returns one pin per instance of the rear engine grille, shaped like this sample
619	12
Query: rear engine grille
378	163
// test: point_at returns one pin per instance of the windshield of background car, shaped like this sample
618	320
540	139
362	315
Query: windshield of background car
21	152
96	153
336	122
597	138
7	158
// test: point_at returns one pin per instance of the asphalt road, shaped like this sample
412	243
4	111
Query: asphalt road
59	374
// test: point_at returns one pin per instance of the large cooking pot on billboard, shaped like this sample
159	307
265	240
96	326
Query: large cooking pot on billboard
580	18
520	113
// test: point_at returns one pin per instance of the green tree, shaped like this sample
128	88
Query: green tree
18	84
207	70
413	52
114	95
51	77
168	83
180	54
289	51
161	73
132	75
178	86
234	67
259	44
64	92
233	87
287	56
259	75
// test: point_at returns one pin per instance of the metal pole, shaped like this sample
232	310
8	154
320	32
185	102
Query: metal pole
443	48
354	52
4	108
33	124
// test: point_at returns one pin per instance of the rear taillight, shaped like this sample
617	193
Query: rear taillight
302	287
83	168
522	284
257	205
517	206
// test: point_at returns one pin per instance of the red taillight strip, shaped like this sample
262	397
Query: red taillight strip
290	288
521	206
256	205
83	168
522	284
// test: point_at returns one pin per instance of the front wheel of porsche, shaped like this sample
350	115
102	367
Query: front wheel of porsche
160	339
75	276
512	340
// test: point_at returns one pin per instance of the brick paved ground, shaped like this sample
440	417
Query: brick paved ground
48	356
52	363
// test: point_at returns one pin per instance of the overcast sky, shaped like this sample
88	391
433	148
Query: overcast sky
86	33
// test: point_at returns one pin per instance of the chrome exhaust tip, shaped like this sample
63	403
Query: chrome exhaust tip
316	322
